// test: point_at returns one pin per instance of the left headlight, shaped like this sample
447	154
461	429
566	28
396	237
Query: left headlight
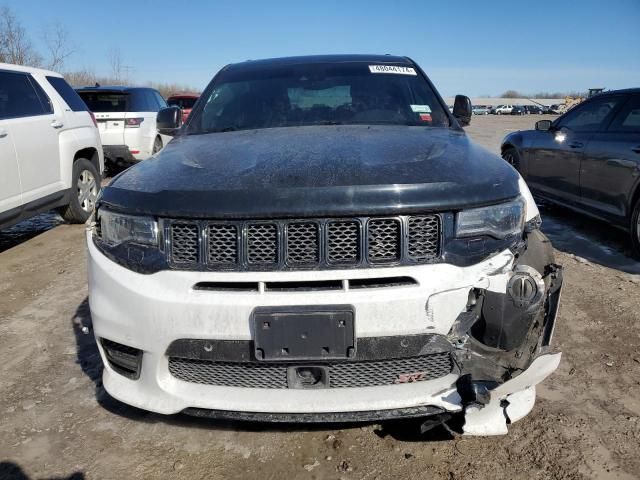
117	228
498	221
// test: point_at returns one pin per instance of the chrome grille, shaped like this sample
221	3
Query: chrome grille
384	240
302	243
424	234
184	242
341	375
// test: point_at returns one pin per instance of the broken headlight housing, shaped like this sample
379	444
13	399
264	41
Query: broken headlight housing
117	228
497	221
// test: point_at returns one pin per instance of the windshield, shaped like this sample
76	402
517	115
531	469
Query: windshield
182	102
316	94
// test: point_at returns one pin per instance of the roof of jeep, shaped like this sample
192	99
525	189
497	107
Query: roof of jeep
311	59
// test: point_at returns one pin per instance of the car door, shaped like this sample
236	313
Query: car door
10	188
554	156
34	129
611	165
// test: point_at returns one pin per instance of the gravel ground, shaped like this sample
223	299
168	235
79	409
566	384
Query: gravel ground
56	421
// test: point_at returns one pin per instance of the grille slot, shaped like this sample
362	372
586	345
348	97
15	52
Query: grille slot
185	242
223	244
384	240
303	244
424	237
343	240
341	374
262	243
389	282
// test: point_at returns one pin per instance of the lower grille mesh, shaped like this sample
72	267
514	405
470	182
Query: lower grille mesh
341	374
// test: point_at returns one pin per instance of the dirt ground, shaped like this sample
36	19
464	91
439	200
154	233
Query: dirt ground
56	421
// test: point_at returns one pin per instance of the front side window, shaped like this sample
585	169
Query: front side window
592	116
316	94
19	98
628	120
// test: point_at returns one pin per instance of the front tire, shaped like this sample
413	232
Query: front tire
635	229
85	186
512	157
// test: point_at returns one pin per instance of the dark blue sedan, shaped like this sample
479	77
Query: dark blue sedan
588	159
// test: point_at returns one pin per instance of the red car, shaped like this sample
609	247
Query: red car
185	101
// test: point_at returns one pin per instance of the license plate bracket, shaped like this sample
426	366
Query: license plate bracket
304	333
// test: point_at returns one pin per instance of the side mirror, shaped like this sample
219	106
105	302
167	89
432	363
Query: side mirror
543	125
169	120
462	110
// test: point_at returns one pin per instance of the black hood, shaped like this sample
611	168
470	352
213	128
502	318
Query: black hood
314	171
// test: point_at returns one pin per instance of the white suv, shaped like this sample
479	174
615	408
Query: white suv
127	121
503	109
50	151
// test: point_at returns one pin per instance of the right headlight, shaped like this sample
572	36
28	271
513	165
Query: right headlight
498	221
117	228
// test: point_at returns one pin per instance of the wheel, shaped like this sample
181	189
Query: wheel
85	186
635	229
512	157
157	146
498	112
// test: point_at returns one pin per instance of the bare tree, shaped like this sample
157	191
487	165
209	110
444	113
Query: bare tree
58	44
115	61
15	46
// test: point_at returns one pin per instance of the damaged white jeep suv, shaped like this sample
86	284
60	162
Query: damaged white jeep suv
321	241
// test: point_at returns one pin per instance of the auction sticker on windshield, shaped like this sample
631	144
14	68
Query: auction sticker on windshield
392	69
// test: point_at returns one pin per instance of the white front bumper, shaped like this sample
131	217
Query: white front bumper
149	312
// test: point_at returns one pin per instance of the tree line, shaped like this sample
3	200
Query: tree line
17	47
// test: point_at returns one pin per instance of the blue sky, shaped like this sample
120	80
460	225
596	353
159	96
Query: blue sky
470	47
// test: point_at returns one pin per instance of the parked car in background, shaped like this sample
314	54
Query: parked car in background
322	242
518	110
480	110
502	110
184	101
532	109
50	151
587	159
554	109
126	119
